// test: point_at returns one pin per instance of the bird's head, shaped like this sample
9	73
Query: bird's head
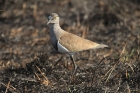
53	18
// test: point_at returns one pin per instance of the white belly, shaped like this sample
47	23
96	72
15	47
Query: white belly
62	49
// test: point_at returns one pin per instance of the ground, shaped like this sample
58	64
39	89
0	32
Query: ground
29	63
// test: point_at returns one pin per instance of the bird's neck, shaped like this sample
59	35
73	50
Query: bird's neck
56	30
55	26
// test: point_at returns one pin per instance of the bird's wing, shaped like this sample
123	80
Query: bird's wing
75	43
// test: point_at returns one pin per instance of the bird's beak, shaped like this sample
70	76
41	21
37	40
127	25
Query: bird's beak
49	20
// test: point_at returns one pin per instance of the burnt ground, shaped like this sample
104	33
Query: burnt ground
29	64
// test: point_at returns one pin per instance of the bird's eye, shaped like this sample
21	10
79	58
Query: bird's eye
54	18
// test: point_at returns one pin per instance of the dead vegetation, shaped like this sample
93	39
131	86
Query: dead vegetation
29	64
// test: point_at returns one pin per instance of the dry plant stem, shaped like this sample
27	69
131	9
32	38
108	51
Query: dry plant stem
37	76
23	9
123	49
95	70
42	73
43	80
7	87
111	70
35	10
130	66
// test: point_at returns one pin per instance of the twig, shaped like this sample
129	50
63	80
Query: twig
111	70
7	87
45	80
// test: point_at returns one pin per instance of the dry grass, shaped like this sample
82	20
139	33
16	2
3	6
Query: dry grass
29	64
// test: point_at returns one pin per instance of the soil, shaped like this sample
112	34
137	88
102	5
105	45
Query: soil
29	63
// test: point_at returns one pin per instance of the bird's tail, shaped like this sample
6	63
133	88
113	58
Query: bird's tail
101	46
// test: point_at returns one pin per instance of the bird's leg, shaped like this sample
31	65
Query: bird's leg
75	66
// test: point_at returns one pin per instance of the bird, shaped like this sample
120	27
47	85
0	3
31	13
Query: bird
68	43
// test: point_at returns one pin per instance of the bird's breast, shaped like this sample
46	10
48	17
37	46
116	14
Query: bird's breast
53	40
